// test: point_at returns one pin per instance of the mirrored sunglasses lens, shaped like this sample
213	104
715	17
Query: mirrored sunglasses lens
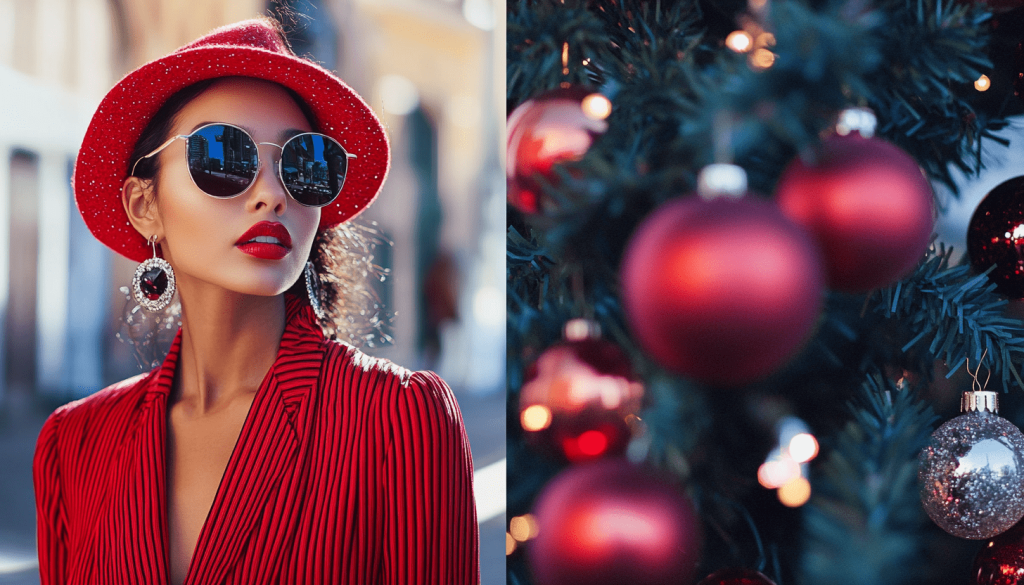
313	168
223	160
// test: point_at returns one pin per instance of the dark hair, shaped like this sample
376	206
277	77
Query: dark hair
342	256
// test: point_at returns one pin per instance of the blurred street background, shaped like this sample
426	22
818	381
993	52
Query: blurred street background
432	69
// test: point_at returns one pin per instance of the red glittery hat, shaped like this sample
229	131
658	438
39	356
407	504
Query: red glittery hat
252	48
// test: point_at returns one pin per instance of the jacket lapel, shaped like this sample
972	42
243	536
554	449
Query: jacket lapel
267	448
134	530
135	534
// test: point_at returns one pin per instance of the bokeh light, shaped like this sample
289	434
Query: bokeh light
777	473
523	528
795	492
596	106
762	59
536	417
803	447
739	41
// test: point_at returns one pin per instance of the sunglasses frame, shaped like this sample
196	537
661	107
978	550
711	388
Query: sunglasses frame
259	164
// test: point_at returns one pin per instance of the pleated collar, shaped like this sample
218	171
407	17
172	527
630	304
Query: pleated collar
267	447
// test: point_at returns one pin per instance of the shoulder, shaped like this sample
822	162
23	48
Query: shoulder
396	389
75	422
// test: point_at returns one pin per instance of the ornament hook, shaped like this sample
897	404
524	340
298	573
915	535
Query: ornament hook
976	385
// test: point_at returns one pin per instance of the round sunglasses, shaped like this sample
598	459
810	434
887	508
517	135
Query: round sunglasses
223	162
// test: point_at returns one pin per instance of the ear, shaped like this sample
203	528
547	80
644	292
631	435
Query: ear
138	198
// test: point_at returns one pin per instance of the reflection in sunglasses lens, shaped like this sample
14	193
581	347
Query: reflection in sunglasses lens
313	168
222	160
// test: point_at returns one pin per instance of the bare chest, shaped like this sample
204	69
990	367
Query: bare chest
198	451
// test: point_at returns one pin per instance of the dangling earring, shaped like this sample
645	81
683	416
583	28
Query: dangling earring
153	283
313	290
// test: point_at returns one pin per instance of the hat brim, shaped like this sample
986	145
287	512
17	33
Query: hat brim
102	164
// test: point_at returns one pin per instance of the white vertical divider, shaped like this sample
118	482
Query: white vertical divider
52	286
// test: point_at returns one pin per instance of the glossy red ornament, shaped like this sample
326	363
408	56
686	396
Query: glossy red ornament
613	523
576	400
995	235
867	204
724	291
736	577
1001	561
555	127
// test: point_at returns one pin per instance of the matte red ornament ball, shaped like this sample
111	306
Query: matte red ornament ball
614	523
723	291
554	127
576	400
736	577
1001	561
867	204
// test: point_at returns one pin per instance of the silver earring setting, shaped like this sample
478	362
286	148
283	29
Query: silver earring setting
153	283
313	290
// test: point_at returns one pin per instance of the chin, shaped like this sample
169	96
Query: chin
262	281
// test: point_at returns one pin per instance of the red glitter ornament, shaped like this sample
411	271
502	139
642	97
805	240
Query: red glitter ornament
555	127
1001	561
613	523
736	577
724	291
867	204
576	400
996	236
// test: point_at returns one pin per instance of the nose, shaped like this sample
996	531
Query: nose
267	190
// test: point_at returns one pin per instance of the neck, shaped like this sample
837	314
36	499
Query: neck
228	343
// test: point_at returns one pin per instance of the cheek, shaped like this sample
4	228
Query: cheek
195	225
306	224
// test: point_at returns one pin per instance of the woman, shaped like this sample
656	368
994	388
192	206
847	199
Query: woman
259	451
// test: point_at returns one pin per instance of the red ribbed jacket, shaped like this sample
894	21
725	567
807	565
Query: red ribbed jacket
348	469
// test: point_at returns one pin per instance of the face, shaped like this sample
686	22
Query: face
208	240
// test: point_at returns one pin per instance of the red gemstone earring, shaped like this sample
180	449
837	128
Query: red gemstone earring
153	283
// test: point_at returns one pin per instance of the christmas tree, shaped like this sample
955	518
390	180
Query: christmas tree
731	331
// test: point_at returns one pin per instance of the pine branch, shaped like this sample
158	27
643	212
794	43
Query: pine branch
863	524
934	50
959	315
537	32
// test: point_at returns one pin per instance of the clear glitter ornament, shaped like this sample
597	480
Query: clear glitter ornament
972	471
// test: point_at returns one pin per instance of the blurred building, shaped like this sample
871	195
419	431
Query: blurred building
432	69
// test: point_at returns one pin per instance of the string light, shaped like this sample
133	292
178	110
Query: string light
775	474
803	447
795	493
596	106
536	417
523	528
765	39
510	544
739	41
762	58
983	83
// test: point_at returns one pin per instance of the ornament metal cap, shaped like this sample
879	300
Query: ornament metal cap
718	180
979	401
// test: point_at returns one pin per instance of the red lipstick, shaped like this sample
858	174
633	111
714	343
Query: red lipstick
266	240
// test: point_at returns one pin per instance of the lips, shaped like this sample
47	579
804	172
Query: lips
266	240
